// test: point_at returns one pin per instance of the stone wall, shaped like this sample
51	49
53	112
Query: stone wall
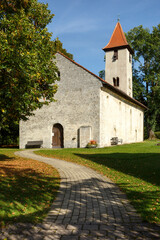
78	103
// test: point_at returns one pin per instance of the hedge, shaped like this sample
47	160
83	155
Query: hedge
157	135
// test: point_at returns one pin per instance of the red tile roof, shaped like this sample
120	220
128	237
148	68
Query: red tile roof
108	85
118	39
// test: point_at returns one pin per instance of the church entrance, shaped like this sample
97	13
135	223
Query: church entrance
57	136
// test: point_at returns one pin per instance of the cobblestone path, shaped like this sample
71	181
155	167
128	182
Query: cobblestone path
88	206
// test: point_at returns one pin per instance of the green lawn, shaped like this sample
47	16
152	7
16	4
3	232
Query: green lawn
27	188
134	167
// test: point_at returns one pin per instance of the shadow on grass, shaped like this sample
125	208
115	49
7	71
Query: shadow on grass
9	146
145	166
4	157
25	195
145	202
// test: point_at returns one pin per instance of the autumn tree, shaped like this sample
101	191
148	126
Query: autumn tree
27	70
146	72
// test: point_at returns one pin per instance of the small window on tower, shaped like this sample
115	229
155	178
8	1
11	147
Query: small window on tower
130	58
115	56
116	82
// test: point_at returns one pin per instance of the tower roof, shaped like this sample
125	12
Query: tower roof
118	40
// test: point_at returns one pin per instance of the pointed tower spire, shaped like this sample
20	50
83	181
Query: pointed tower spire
118	69
118	40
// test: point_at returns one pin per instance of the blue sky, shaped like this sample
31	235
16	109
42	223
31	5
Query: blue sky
85	26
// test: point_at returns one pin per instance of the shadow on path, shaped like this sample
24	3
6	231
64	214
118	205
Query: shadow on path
88	206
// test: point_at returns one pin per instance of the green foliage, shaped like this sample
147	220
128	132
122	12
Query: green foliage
58	47
134	167
146	133
157	135
102	74
146	73
27	71
138	87
9	135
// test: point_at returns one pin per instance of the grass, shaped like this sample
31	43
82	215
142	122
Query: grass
134	167
27	188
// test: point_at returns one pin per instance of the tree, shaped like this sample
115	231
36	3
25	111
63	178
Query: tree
146	73
58	47
27	69
102	74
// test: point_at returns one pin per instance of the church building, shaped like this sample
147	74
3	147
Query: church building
88	107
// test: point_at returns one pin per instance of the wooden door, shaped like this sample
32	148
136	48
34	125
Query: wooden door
57	136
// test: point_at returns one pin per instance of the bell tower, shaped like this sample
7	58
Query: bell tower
118	69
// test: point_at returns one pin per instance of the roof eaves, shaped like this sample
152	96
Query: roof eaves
120	47
118	91
123	94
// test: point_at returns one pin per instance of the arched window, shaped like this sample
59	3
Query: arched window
116	82
130	58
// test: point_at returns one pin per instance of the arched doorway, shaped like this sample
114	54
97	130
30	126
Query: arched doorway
57	136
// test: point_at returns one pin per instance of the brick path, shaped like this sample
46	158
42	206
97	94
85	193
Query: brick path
88	206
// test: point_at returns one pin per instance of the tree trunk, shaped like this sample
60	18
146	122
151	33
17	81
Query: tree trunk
152	135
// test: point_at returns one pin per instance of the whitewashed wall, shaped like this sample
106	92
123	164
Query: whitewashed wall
119	118
121	68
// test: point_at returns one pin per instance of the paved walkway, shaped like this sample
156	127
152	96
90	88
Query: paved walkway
88	206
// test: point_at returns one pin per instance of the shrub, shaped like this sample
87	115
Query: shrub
9	135
157	135
145	133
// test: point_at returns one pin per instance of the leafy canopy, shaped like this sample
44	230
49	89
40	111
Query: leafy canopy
27	69
146	72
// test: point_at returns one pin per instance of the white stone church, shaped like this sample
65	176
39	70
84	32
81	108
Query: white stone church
88	107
